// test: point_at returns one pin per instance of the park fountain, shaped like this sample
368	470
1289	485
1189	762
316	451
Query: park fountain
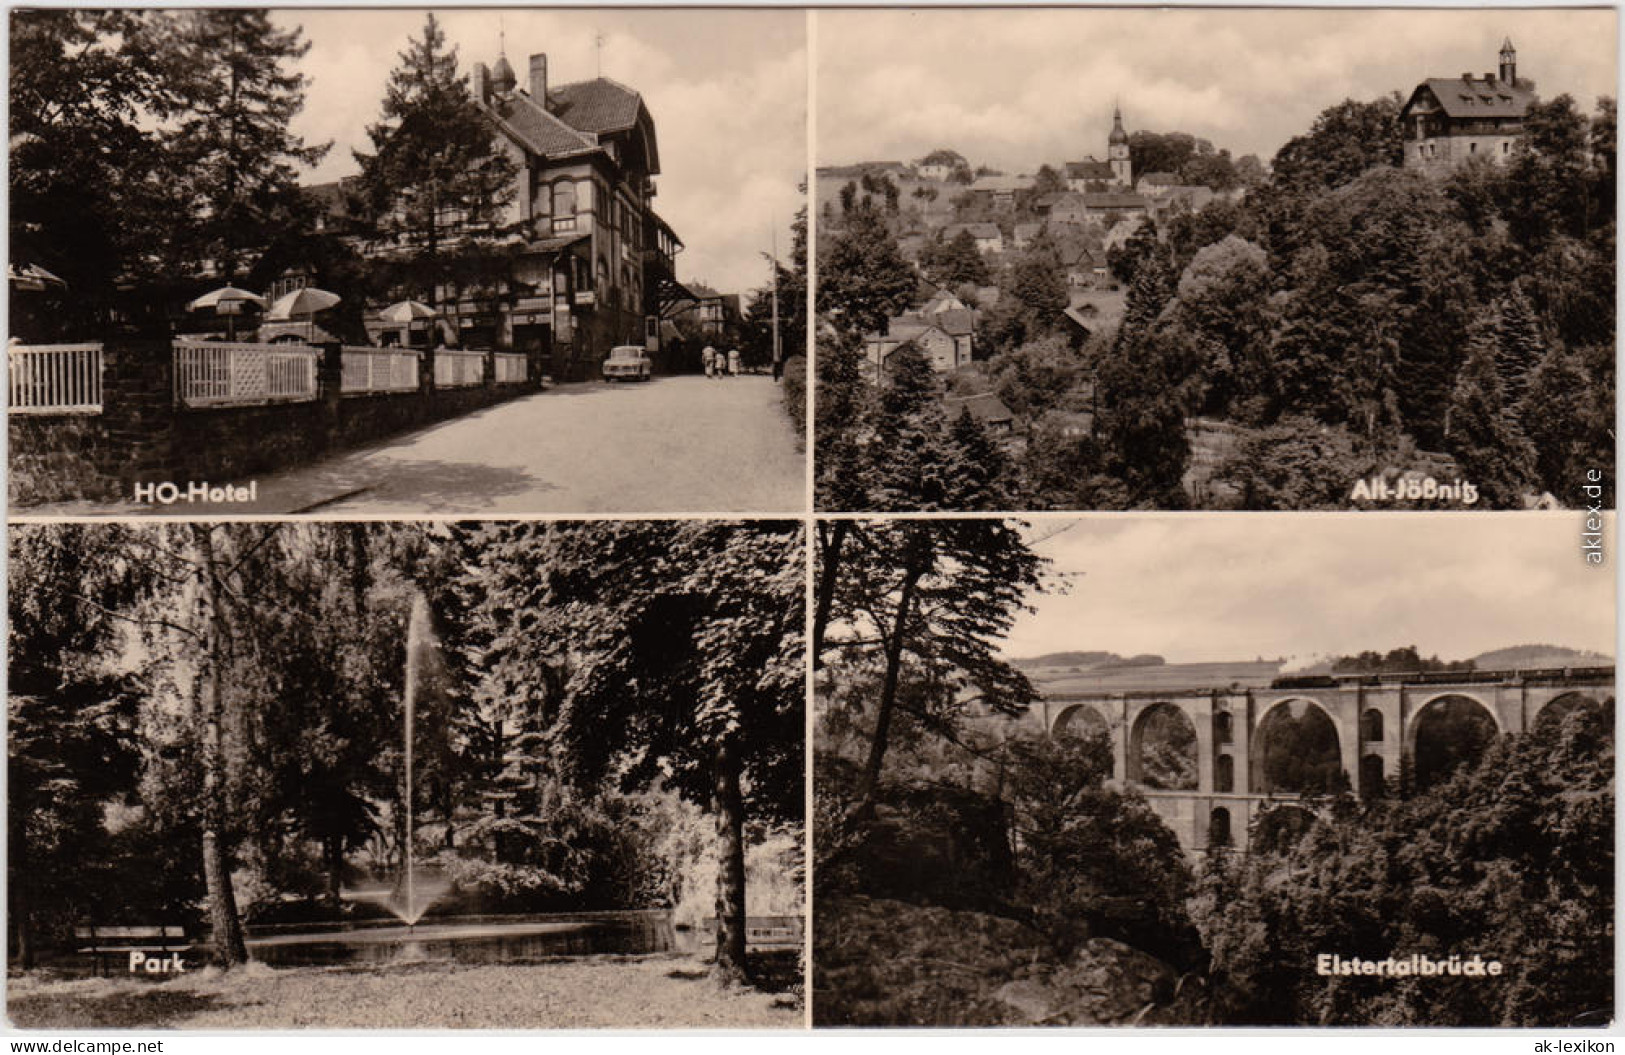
464	939
417	639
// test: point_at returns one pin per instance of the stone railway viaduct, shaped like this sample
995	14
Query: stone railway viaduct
1378	719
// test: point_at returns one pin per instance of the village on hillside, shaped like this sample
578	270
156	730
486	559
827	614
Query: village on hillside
1388	313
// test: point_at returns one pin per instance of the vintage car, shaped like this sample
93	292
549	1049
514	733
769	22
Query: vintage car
626	361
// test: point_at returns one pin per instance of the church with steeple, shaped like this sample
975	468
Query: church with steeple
1116	173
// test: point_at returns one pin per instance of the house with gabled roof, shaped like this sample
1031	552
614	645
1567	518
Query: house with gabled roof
985	408
1088	175
1022	235
1153	184
946	336
998	193
596	264
988	237
1449	120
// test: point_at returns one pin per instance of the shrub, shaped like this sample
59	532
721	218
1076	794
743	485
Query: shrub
795	392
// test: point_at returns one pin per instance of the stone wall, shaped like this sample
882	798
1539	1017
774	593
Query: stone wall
143	436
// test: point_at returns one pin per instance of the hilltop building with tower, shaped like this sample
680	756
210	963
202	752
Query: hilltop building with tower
1447	121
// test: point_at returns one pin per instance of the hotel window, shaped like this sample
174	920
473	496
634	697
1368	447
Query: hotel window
564	207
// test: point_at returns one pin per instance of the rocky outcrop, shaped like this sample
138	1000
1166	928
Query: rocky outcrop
1103	983
879	962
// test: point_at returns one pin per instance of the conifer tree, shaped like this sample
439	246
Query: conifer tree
982	466
913	463
1568	416
436	171
841	418
234	158
1483	436
1518	345
1141	423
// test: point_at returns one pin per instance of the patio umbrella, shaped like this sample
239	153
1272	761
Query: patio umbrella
303	303
227	301
32	277
407	311
404	314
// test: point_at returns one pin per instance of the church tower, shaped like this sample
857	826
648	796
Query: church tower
1117	151
1509	63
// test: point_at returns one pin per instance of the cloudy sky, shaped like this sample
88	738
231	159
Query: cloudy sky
1015	89
1238	586
727	90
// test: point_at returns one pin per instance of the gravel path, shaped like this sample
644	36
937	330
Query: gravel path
654	992
671	445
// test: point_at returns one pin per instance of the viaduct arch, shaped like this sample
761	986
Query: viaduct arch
1377	720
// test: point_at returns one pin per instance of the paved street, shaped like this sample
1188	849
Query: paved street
671	445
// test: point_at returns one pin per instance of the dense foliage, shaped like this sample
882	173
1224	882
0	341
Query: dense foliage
152	145
1512	859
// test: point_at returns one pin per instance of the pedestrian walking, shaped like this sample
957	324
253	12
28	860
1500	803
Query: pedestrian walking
709	358
733	362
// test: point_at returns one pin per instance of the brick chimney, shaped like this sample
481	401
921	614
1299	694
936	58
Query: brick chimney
482	83
538	79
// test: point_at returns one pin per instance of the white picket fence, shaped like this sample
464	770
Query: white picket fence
510	368
380	370
212	374
54	378
454	369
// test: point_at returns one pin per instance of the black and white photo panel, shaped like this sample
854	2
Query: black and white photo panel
1216	259
1213	771
388	261
406	775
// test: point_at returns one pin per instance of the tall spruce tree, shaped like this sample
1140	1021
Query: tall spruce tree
841	420
913	465
71	744
232	98
1141	423
437	173
1519	348
1568	416
1484	435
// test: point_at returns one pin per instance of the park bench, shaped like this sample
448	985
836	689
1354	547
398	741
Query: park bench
119	942
763	933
